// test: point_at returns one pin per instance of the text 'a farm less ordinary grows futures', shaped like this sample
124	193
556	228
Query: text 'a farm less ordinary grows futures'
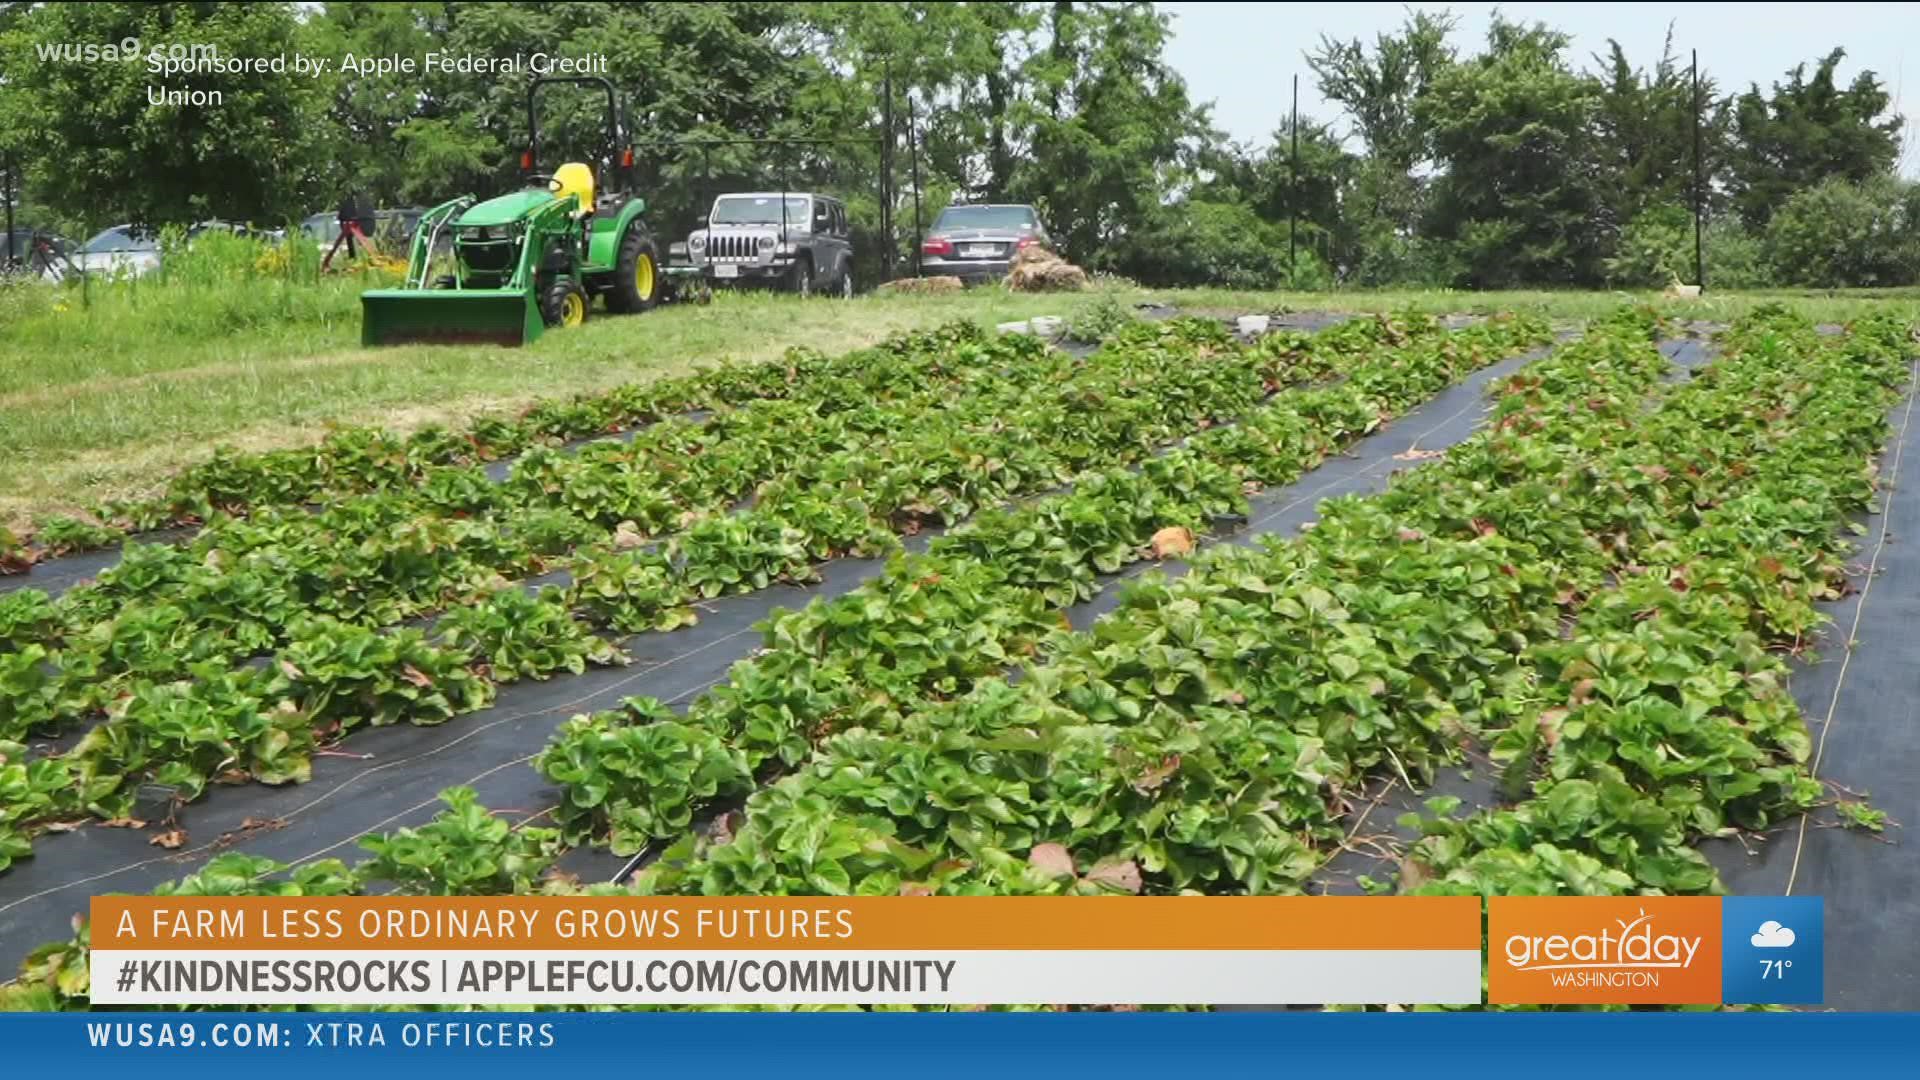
826	448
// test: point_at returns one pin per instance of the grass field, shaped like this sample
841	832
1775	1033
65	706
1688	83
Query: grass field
103	397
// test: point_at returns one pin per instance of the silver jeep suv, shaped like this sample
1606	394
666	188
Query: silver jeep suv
791	240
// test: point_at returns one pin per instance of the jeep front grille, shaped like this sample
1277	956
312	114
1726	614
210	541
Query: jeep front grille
732	246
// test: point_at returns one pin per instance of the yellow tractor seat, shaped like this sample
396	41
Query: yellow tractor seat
573	178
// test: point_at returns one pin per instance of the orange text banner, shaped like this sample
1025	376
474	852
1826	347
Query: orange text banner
826	923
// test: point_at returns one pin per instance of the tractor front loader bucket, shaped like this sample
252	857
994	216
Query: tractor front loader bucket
497	316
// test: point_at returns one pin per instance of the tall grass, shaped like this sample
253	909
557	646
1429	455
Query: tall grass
219	293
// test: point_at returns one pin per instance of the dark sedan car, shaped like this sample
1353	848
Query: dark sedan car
979	242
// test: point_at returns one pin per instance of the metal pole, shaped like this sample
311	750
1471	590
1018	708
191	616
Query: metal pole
887	251
7	194
1293	184
1699	184
913	150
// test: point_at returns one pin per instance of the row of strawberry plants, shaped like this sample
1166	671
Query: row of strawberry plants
1664	717
932	625
265	721
1200	738
376	560
361	460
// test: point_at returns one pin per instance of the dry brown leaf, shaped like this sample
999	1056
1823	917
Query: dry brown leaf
172	839
627	536
1172	541
912	889
123	823
1052	860
415	676
1414	453
1153	778
1124	876
291	672
725	826
1411	535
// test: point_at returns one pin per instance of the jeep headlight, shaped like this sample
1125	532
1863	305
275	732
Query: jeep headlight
697	241
766	243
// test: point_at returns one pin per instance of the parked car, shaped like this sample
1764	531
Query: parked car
35	251
793	240
392	229
128	250
978	241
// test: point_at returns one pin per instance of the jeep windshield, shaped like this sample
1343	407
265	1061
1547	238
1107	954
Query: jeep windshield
759	210
994	218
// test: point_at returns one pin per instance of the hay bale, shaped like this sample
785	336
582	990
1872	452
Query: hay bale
1036	269
944	283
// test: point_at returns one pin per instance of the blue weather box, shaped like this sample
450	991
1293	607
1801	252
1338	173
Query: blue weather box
1771	950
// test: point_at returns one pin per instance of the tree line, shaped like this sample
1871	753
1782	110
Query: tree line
1500	163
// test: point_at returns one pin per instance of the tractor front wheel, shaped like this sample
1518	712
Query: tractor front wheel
564	303
636	275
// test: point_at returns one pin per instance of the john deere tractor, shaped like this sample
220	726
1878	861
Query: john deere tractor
529	259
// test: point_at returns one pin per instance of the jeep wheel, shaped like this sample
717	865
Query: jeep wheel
803	277
846	283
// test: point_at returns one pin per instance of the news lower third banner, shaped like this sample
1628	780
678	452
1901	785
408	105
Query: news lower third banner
629	950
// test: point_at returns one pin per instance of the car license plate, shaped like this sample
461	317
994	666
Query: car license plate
725	270
978	250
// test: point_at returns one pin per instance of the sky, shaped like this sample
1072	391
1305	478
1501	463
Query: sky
1243	56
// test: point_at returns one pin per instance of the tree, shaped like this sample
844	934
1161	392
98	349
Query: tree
1809	130
90	131
1113	132
1380	90
1643	125
1521	194
1840	233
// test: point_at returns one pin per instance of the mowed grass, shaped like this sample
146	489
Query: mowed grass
104	399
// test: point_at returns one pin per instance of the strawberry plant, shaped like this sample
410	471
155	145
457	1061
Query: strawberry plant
463	851
519	634
642	747
59	535
342	676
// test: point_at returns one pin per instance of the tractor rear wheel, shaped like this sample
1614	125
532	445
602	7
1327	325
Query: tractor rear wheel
564	303
636	275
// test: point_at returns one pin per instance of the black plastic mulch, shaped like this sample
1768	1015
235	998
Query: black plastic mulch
1862	702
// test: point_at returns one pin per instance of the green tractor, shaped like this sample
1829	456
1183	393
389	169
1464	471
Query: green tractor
530	259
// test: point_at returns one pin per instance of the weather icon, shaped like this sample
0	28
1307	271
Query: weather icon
1772	935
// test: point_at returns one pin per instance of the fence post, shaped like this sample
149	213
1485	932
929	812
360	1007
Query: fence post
913	150
1699	185
6	194
890	248
1293	187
